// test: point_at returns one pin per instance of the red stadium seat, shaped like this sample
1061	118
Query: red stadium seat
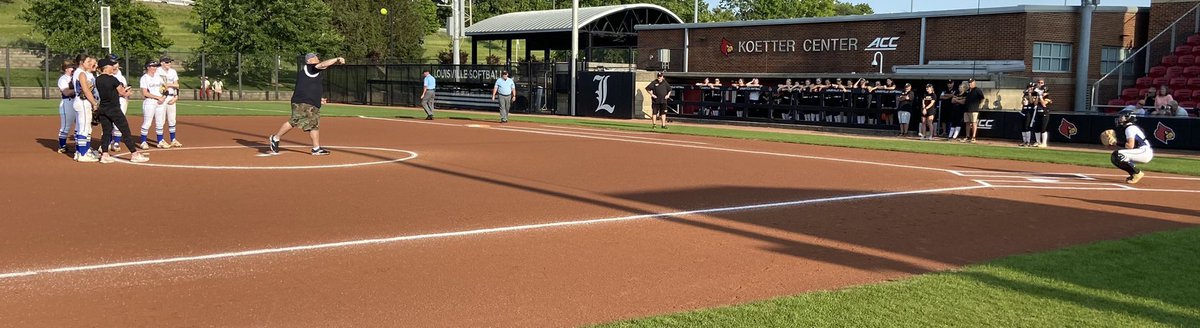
1178	82
1184	50
1191	71
1174	71
1186	60
1193	82
1182	94
1194	40
1160	81
1170	60
1144	81
1157	71
1130	93
1187	104
1195	50
1131	103
1116	102
1196	94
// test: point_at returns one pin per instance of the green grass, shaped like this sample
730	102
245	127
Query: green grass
174	20
11	28
30	77
1145	281
1161	163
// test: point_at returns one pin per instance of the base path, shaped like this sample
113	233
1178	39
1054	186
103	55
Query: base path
468	223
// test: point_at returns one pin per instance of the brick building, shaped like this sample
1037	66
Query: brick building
1044	38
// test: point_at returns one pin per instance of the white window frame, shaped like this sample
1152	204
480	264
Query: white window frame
1052	57
1110	57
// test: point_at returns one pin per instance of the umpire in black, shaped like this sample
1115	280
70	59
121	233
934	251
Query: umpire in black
660	92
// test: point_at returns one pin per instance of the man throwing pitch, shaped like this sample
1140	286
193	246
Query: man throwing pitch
306	103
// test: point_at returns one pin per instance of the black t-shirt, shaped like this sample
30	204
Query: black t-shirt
106	86
660	90
974	99
309	88
946	104
904	100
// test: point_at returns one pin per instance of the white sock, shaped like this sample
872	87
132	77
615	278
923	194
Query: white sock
1025	136
1045	137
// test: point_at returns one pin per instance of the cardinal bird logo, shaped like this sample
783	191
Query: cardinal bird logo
1164	133
1067	129
726	47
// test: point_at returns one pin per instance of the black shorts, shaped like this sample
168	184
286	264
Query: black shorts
659	108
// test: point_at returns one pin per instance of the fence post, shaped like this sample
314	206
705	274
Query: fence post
127	67
276	77
239	58
7	75
46	68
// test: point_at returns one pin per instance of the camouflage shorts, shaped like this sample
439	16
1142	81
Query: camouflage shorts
306	117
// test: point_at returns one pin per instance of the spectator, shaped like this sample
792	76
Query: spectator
1179	111
704	84
786	86
946	109
959	109
1148	101
218	88
204	85
928	113
904	109
889	85
1163	98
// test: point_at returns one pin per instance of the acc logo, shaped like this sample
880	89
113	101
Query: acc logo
987	124
1164	133
726	47
1067	129
602	94
883	44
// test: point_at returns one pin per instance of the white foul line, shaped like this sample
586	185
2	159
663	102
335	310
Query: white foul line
467	233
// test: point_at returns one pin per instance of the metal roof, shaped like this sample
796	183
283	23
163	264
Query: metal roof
893	16
558	20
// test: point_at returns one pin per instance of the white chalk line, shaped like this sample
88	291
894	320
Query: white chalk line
526	227
411	155
607	135
597	130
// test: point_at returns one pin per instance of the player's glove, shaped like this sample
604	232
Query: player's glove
1108	137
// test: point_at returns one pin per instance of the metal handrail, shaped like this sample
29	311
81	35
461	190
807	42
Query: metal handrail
1131	55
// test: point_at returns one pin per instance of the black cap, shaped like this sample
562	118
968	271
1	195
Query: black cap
970	80
113	57
660	74
105	62
165	59
153	64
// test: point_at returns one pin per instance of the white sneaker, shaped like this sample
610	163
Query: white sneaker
175	143
106	159
164	145
87	159
114	147
143	145
139	158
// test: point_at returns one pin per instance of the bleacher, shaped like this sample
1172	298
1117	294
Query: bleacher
1179	70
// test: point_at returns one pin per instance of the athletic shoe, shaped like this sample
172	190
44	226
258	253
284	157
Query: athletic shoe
62	150
175	143
320	152
1041	145
429	117
143	145
114	147
272	144
139	158
1135	178
107	159
971	141
164	145
88	158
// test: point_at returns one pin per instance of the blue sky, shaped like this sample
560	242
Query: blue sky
893	6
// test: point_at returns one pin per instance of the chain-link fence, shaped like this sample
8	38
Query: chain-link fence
33	73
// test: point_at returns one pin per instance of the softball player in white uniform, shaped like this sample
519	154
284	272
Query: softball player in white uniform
66	107
171	79
116	142
154	107
85	100
1134	148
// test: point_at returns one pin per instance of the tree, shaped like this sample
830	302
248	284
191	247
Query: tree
267	27
776	9
72	25
398	36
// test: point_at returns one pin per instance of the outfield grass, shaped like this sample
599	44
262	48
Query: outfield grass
1059	156
1145	281
11	28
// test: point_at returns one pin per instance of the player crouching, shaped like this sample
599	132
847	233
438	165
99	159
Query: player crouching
1135	148
109	112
